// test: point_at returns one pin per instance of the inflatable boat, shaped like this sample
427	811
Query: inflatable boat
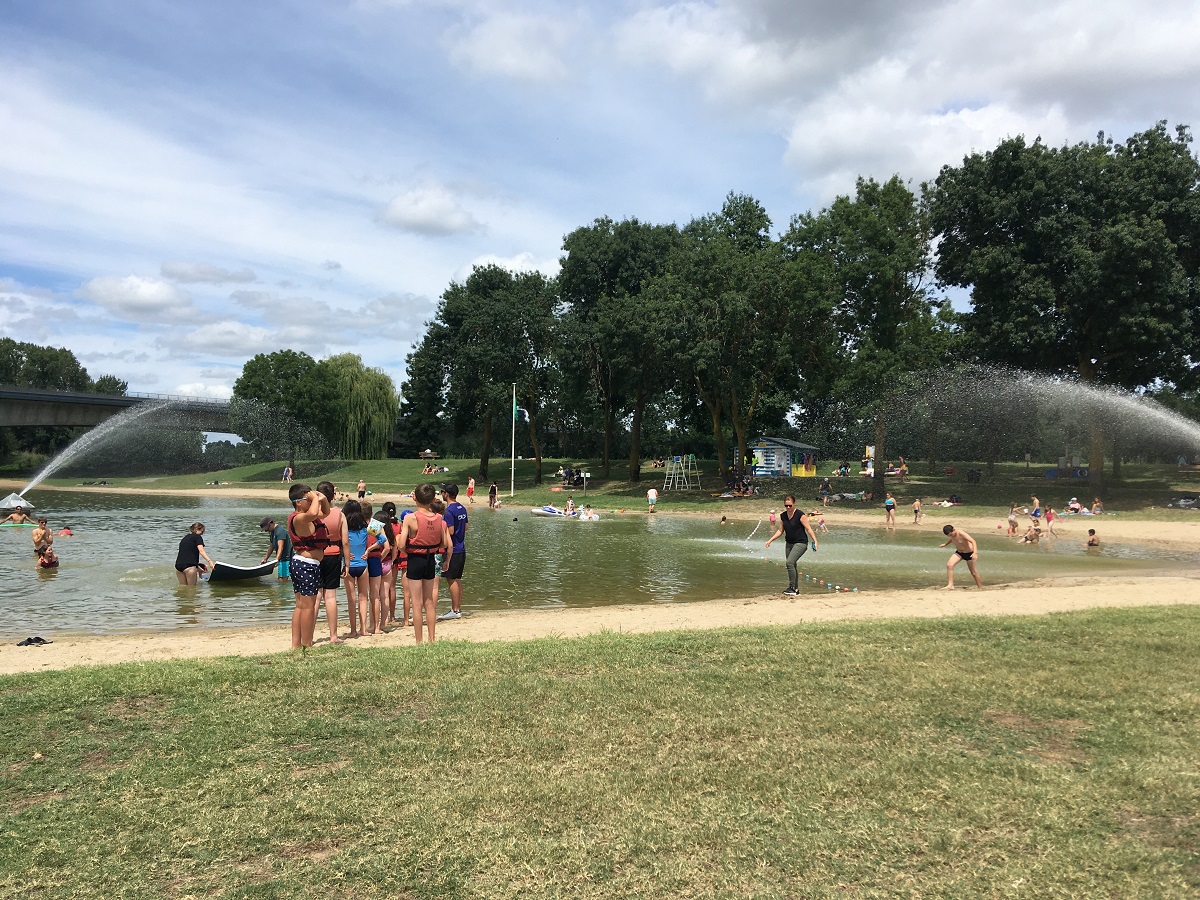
228	572
552	512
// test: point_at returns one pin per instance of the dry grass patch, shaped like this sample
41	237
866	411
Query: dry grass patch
1056	744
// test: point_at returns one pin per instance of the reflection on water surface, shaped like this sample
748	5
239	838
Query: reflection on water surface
117	572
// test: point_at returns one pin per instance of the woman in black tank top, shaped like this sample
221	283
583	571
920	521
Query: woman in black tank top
797	534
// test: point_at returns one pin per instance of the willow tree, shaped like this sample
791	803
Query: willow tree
366	406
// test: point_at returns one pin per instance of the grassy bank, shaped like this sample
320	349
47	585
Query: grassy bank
1144	489
1053	756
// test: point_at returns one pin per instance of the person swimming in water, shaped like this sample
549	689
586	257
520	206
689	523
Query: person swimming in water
17	517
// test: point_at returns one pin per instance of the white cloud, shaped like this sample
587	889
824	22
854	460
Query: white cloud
222	338
907	88
521	46
138	299
33	315
202	273
430	209
256	299
518	262
204	389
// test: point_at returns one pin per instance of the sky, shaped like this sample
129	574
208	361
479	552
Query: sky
185	185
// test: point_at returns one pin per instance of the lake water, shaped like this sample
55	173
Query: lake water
117	572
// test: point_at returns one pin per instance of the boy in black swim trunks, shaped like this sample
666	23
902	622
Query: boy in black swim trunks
965	550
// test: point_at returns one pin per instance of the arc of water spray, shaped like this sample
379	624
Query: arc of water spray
96	435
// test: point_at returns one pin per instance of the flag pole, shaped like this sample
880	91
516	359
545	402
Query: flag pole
512	454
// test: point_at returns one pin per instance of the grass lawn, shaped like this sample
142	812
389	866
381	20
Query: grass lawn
1053	756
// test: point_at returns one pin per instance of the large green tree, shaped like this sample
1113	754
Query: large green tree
488	327
612	331
1081	259
752	331
284	408
423	393
48	368
534	299
870	256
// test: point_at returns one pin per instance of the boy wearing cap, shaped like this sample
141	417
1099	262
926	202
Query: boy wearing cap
281	545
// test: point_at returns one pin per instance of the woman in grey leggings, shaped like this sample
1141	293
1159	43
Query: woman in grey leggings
797	533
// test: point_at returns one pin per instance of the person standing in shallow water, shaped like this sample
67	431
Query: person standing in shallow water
965	550
187	560
798	533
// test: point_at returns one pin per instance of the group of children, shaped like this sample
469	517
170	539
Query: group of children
1033	533
369	553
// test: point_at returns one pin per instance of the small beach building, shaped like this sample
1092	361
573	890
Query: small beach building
774	457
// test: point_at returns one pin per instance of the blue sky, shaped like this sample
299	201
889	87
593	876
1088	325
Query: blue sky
183	185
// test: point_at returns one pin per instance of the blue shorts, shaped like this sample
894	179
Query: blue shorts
374	566
284	569
306	576
355	571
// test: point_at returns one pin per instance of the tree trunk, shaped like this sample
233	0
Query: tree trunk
1116	465
714	410
739	432
935	440
1087	373
608	434
635	436
486	454
537	449
879	482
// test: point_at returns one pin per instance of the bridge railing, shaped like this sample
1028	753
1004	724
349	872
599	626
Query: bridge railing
210	401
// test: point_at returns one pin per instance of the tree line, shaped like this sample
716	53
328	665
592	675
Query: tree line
1080	262
45	368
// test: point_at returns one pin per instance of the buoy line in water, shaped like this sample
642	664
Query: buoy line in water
836	588
746	542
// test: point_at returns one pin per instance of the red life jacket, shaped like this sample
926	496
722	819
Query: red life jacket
315	542
431	529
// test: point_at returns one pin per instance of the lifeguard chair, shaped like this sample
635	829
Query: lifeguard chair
681	473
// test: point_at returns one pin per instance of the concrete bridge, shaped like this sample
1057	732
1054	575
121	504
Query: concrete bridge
77	409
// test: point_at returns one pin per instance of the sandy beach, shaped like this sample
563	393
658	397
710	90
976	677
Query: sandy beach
1030	598
1059	595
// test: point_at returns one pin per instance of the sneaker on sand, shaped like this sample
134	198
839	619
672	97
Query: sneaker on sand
452	614
791	592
